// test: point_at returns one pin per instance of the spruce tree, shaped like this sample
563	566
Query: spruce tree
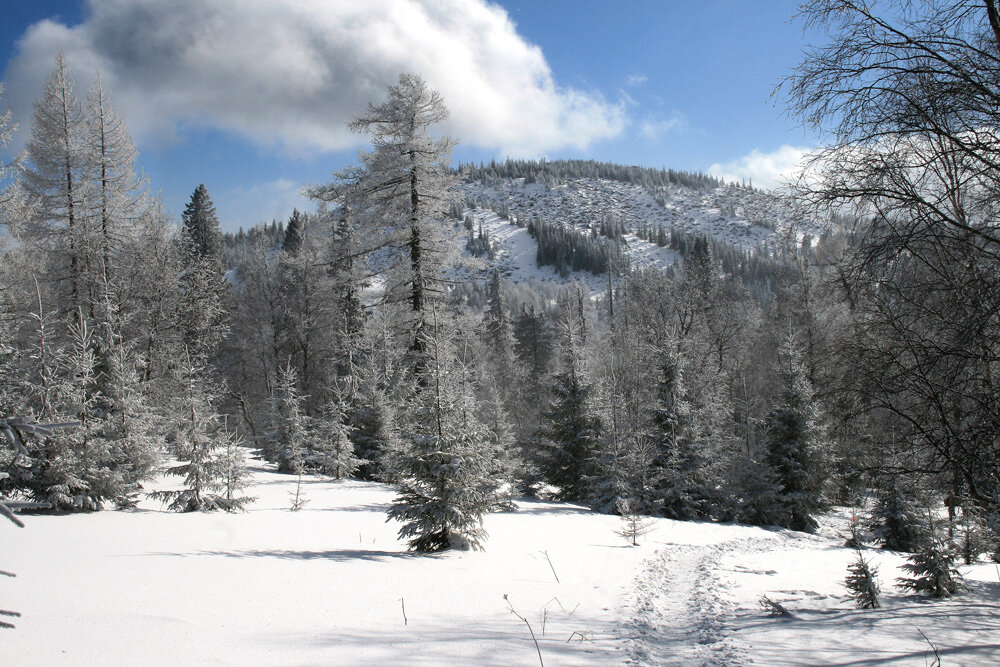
862	582
332	452
294	233
895	519
292	436
794	439
933	570
203	316
206	471
678	461
447	474
571	428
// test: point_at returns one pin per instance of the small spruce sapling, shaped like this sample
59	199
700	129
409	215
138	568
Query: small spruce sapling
862	582
933	570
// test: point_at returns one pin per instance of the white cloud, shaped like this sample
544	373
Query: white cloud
634	80
766	170
654	129
292	72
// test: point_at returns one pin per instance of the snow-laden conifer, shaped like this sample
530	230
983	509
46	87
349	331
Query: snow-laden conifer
794	442
448	471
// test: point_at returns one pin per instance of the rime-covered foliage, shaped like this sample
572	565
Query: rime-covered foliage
571	427
448	472
895	519
202	313
862	583
332	451
933	571
794	444
204	450
293	435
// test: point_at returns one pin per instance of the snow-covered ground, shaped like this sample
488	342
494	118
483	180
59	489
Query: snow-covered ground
328	585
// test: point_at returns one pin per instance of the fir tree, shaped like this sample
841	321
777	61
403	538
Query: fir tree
678	461
203	316
895	520
205	471
292	437
294	232
332	452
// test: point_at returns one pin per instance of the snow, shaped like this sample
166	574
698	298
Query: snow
328	585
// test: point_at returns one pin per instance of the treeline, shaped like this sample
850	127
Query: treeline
555	172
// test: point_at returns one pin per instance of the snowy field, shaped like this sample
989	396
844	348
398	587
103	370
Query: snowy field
331	585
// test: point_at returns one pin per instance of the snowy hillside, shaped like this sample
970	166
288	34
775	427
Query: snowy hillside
331	584
746	219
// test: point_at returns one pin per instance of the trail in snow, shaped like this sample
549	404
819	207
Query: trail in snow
681	605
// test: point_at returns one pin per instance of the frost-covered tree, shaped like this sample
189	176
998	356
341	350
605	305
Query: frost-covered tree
197	435
572	429
54	177
896	519
679	462
862	582
202	314
794	442
332	452
292	437
933	570
448	473
399	195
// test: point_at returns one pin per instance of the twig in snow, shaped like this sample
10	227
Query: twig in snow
537	648
402	604
937	656
773	607
552	566
583	637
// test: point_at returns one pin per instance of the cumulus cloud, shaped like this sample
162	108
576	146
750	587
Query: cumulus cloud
293	72
766	170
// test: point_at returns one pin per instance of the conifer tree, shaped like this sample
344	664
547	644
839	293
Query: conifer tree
447	475
54	177
678	461
206	472
292	437
203	316
294	232
933	570
794	440
895	519
332	452
862	582
400	192
571	428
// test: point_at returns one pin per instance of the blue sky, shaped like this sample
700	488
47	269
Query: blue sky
251	98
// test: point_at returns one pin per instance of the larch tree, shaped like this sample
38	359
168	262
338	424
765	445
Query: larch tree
56	164
399	195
